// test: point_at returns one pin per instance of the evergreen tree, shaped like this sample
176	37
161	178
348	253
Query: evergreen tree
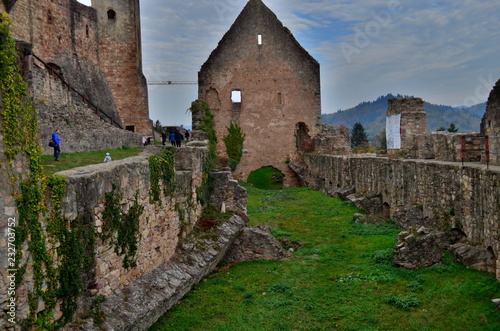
452	128
358	135
158	125
234	144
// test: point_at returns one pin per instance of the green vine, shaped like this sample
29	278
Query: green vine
207	125
53	280
162	170
234	144
122	229
71	249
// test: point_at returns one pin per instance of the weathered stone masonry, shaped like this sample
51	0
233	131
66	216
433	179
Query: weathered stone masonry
169	259
279	86
490	124
88	48
438	195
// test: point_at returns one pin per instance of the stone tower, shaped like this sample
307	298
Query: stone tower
260	77
121	60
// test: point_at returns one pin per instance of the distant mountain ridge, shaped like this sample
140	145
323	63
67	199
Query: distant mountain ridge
372	115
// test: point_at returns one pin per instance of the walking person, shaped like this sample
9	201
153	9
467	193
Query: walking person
163	137
186	135
57	147
178	138
171	138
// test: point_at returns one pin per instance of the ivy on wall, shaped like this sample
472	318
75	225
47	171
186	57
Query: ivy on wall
54	249
122	229
162	170
207	125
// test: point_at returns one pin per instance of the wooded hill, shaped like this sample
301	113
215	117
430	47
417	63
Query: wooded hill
372	116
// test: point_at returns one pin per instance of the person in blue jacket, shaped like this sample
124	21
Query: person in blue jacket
171	138
57	147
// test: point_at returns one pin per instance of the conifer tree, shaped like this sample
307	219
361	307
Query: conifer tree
452	128
234	144
358	135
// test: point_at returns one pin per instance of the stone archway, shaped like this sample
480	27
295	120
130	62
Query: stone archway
267	177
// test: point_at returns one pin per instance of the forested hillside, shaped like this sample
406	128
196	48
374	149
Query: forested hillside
372	116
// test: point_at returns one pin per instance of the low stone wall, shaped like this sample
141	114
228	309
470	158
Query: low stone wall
163	227
445	146
138	305
438	195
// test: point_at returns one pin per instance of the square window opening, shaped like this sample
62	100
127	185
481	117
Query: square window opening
236	96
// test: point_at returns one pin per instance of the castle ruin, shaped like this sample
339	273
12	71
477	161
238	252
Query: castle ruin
262	79
490	124
259	77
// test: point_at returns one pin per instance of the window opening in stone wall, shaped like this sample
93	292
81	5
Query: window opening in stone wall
280	99
259	39
130	128
111	14
236	99
49	16
87	30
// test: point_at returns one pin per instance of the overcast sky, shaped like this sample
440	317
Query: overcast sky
444	51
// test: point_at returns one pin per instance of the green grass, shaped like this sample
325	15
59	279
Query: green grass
73	160
342	278
266	178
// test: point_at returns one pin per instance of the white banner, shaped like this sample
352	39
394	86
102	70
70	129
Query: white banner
393	131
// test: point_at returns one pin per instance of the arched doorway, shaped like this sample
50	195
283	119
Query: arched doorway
267	178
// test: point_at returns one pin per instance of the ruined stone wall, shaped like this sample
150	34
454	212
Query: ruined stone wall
279	84
442	146
162	225
490	124
81	128
446	146
9	220
86	47
413	122
437	195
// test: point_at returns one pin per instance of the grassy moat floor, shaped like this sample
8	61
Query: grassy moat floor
340	277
